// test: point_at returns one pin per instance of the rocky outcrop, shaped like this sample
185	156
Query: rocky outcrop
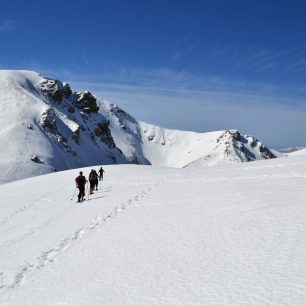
103	132
48	119
238	148
66	90
55	89
76	136
243	145
265	152
36	159
87	102
49	123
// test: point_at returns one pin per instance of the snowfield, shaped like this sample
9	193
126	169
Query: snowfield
225	235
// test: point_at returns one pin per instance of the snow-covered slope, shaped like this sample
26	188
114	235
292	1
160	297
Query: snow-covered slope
46	127
225	235
297	153
164	147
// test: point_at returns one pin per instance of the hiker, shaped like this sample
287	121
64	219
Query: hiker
81	182
101	174
96	180
92	180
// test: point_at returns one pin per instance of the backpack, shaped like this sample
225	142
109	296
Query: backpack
92	176
80	180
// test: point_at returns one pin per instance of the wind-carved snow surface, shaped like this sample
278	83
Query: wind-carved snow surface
46	127
224	235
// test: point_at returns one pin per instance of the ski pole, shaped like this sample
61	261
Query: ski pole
74	193
87	192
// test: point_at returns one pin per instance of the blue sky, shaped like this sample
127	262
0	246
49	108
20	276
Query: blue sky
195	65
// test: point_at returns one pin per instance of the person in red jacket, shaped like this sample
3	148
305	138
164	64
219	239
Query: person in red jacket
81	182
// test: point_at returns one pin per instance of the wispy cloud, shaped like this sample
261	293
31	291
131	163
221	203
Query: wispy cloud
170	82
183	101
272	60
274	120
255	60
187	49
7	24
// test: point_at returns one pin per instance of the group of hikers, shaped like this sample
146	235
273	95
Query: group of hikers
93	179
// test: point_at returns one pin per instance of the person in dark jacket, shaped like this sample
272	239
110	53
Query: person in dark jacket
96	180
92	180
81	182
101	171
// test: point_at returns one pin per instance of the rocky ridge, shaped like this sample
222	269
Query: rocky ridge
55	128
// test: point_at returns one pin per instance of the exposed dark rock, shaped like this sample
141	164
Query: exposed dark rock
265	152
76	136
87	102
36	159
71	109
48	119
234	141
103	132
66	90
53	89
252	141
235	134
62	139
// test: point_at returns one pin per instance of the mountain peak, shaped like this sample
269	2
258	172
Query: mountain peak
49	127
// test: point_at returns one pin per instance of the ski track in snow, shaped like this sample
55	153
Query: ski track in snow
31	232
49	256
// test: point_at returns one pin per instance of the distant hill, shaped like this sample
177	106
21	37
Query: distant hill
290	149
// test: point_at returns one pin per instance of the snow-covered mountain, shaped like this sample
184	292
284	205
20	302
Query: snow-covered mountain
45	127
188	149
